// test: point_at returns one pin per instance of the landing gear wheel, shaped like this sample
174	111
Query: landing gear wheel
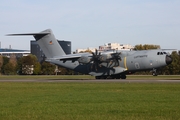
123	76
118	76
97	77
101	77
154	74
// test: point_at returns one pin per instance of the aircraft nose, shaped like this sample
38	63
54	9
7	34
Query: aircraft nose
168	59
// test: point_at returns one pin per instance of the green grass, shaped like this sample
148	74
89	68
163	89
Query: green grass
84	77
150	77
89	101
15	77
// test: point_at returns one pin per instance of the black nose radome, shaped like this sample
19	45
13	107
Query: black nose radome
168	59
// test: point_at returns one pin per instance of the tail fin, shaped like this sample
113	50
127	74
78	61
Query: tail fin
47	42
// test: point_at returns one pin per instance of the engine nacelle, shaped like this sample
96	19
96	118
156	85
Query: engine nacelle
84	59
105	57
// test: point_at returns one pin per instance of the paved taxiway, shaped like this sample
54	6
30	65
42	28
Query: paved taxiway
99	81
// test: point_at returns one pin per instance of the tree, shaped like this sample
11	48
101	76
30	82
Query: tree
5	61
88	51
1	63
13	63
29	65
13	60
29	60
47	68
10	65
146	47
9	69
66	71
37	68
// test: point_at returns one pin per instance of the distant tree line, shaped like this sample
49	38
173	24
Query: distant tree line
29	65
146	47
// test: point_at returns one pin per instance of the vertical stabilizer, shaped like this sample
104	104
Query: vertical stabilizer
47	42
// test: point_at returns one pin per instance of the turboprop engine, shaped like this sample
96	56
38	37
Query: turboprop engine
101	59
84	59
105	57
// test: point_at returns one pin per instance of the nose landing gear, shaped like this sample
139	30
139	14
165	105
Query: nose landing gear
154	72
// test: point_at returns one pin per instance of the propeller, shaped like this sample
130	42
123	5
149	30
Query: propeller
95	59
116	57
114	60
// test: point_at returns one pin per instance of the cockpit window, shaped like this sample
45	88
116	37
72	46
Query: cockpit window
161	53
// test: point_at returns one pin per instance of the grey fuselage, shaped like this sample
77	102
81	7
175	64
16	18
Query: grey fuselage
131	61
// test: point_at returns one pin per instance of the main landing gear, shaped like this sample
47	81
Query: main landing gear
118	76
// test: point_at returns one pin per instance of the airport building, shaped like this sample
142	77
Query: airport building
18	53
36	50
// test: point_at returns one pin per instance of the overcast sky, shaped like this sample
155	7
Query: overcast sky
91	23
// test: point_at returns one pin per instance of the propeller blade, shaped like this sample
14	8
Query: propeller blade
95	59
96	52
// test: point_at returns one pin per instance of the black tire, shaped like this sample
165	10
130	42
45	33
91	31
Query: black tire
154	74
123	76
97	77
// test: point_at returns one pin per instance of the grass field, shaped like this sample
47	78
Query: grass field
84	77
89	101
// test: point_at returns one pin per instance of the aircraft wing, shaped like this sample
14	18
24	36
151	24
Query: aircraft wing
71	56
68	57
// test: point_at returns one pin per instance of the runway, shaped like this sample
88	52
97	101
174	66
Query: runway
94	81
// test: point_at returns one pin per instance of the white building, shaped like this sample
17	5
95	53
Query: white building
108	46
115	46
83	50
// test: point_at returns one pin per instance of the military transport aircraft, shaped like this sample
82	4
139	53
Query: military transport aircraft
103	65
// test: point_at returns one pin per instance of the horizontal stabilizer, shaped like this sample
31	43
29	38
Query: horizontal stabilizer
44	33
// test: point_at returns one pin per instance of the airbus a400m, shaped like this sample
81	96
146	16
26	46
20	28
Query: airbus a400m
103	65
